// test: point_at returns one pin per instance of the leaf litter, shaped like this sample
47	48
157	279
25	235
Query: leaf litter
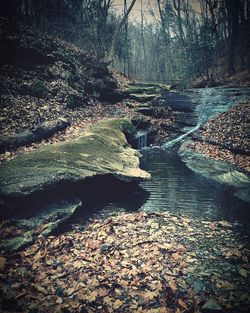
133	262
226	137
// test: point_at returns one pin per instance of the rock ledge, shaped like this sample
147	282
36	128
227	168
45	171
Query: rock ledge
100	151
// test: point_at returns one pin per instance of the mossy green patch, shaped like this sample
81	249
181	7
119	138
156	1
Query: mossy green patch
143	97
142	89
151	84
143	92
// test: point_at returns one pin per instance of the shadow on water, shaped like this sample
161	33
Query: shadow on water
94	193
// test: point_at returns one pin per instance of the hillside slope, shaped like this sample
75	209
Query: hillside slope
43	78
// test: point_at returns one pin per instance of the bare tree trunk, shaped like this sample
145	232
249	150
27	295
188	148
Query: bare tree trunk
142	36
162	23
232	7
177	7
117	32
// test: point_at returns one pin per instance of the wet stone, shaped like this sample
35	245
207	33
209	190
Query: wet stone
104	248
198	286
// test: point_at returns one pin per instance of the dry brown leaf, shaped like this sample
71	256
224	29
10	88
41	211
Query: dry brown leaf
150	295
102	292
176	256
38	256
182	303
157	310
78	264
2	263
92	296
56	242
172	285
118	303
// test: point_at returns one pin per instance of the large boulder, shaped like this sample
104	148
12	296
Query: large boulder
102	150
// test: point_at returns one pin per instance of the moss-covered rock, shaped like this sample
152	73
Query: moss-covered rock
234	178
143	97
150	85
100	151
144	92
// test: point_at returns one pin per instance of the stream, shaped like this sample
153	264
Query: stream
174	187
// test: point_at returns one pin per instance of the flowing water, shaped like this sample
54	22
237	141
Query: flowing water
173	186
202	105
141	138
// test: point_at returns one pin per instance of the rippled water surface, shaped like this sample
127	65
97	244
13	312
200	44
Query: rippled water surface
175	188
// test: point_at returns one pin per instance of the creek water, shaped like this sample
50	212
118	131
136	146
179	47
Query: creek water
173	186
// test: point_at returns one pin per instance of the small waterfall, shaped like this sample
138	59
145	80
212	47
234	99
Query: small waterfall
141	138
171	143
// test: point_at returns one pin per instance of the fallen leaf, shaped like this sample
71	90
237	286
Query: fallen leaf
92	296
243	272
176	256
2	263
150	295
118	303
182	303
172	285
78	264
102	292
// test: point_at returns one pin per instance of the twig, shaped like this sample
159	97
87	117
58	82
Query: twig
9	91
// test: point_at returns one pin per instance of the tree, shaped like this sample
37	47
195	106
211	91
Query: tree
118	29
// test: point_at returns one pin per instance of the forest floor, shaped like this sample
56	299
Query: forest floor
133	262
45	79
240	79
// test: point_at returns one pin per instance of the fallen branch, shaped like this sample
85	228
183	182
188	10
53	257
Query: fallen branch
37	133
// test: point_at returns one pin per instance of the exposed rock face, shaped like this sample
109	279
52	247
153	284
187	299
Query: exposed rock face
144	92
41	222
218	170
102	150
220	150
